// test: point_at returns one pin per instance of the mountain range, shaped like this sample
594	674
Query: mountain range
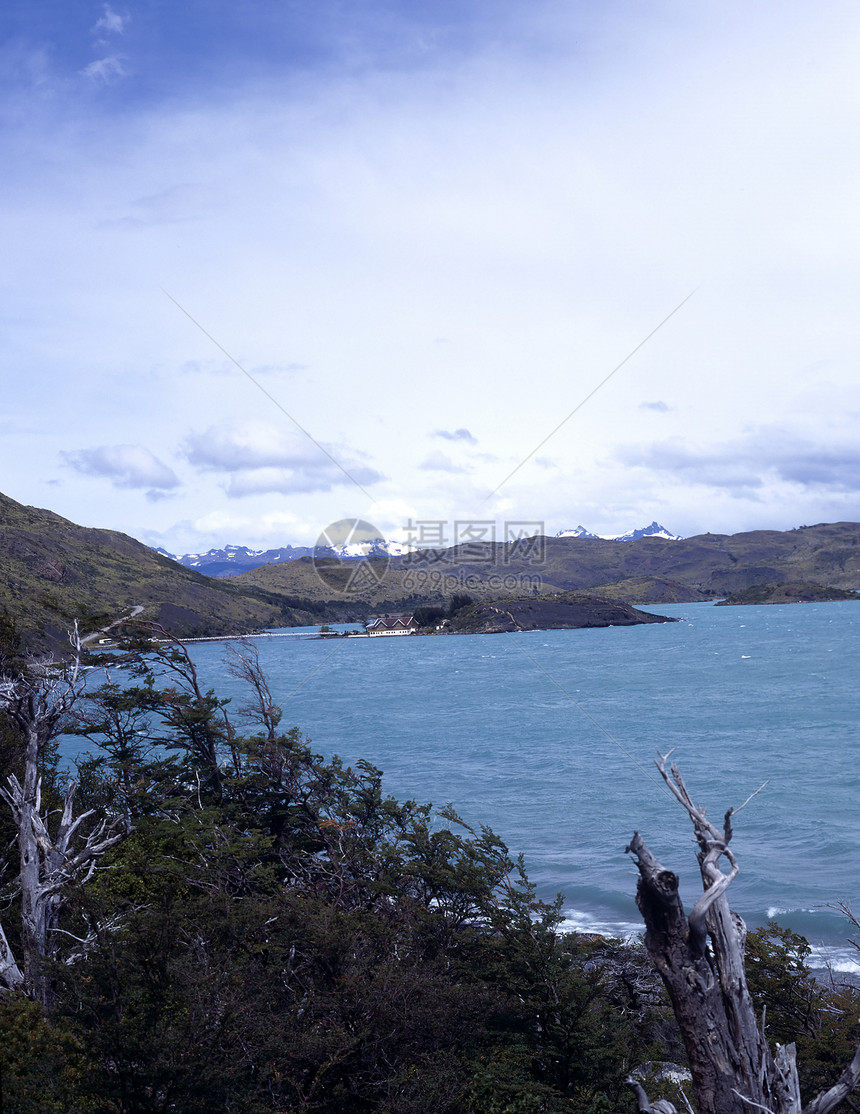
233	560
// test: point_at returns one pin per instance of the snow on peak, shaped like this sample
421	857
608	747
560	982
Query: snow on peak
655	530
576	532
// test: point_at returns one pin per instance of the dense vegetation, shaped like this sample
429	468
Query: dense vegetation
271	932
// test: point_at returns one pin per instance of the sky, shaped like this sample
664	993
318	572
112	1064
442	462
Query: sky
275	264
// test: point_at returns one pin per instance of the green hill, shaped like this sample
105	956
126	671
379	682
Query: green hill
52	571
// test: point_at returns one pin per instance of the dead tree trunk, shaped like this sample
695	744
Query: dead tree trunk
700	958
49	861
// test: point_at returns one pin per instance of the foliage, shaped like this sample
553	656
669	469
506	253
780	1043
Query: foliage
796	592
41	1063
277	934
429	616
820	1018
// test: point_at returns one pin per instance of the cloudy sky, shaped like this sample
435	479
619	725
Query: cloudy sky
272	264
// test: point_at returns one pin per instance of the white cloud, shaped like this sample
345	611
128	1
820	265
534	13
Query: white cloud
182	201
300	479
456	435
106	69
747	464
126	466
261	458
227	525
248	445
541	201
441	462
111	22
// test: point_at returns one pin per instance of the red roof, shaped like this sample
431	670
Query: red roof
393	622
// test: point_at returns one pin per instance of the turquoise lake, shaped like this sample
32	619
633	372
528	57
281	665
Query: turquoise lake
549	737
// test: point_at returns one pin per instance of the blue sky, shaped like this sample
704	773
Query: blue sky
270	265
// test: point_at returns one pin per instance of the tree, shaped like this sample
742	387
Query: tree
129	775
243	663
53	854
700	958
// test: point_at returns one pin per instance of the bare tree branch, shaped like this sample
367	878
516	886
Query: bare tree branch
36	703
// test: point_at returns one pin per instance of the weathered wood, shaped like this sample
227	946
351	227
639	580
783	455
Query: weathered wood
644	1105
715	1023
700	958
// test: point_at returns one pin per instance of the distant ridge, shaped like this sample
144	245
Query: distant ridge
235	559
638	571
53	571
576	532
655	530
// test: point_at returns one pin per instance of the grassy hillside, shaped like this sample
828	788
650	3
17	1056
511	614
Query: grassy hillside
52	571
715	564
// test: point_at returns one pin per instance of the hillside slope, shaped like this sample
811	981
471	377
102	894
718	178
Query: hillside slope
646	570
52	571
803	592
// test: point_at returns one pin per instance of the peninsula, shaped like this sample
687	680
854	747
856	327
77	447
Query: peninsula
568	611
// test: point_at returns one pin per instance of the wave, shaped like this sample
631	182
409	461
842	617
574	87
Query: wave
824	958
577	920
838	960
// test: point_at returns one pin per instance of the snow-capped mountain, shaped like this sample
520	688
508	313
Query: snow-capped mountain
576	532
655	530
378	547
235	559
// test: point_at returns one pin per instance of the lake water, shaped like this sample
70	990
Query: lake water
549	737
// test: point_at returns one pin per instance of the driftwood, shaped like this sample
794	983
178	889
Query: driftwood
700	958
